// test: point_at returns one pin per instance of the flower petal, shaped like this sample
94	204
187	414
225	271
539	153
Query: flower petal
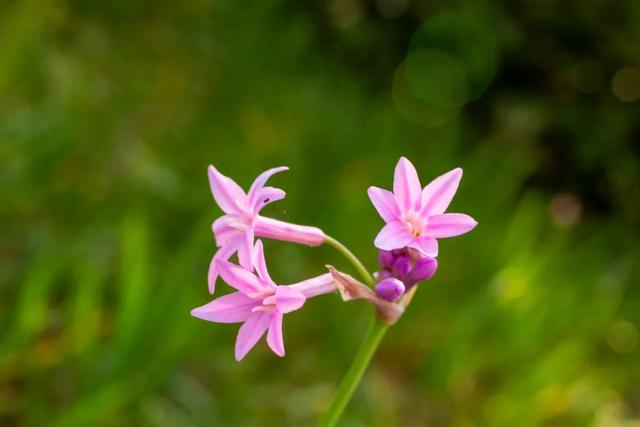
426	245
385	203
280	230
239	278
406	185
226	192
226	228
437	195
261	265
288	299
223	254
449	225
274	336
245	249
259	183
315	286
250	332
265	196
231	308
394	235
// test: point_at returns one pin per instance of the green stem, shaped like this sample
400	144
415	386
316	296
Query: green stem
352	258
368	347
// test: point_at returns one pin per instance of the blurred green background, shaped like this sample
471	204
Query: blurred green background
111	111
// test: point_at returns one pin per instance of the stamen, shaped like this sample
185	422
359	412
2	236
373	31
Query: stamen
264	308
270	300
414	223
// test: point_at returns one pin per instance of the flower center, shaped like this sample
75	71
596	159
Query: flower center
268	302
242	223
414	223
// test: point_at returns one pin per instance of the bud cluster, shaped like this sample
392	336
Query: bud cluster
401	269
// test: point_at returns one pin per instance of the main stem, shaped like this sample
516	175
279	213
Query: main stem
372	338
352	258
368	347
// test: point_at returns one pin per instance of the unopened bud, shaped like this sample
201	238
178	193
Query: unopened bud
386	258
401	267
424	269
390	289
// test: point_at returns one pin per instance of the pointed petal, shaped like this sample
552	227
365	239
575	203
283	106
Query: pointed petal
449	225
394	235
250	332
212	275
261	265
288	299
274	336
232	308
239	278
437	195
259	183
265	196
427	245
245	249
385	203
226	192
406	185
223	254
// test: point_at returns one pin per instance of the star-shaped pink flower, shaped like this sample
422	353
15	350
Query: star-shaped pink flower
236	229
415	216
259	303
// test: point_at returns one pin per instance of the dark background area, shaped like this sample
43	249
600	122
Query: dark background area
110	113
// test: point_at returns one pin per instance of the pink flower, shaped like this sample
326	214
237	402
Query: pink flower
259	303
235	231
415	216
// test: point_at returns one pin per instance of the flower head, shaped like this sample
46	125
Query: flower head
236	229
415	216
259	303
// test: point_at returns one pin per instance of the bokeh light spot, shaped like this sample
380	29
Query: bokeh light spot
392	8
346	13
437	78
626	84
415	109
565	210
468	39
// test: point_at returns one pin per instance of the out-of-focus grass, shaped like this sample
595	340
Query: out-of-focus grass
110	113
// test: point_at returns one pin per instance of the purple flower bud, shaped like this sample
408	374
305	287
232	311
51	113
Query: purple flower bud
390	289
386	258
424	269
401	267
